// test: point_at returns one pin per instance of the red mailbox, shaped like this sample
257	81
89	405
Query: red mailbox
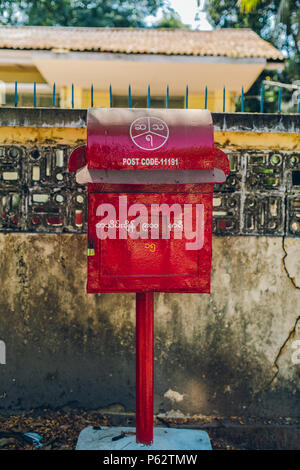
150	176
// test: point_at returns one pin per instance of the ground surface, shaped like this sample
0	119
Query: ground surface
59	429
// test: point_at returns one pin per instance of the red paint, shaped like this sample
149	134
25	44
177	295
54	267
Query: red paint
126	265
111	138
55	221
77	159
78	218
144	367
185	141
221	161
222	224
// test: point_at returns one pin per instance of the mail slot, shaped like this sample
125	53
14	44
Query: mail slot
150	176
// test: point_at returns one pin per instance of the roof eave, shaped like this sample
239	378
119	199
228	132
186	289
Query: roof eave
272	64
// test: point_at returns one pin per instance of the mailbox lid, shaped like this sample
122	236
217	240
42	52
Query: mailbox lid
159	264
156	139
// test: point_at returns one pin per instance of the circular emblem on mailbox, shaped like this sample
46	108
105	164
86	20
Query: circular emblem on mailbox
149	133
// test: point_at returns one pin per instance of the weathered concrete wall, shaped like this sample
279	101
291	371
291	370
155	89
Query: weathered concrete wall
234	352
228	353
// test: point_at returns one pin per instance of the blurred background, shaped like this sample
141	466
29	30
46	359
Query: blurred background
225	51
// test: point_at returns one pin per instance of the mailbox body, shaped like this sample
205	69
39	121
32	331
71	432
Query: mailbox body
149	236
163	264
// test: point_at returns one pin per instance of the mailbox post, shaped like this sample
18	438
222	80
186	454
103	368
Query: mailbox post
150	176
144	366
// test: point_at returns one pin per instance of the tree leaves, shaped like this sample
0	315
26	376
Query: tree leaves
97	13
276	21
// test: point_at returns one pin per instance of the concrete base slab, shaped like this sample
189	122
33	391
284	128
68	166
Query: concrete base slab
164	439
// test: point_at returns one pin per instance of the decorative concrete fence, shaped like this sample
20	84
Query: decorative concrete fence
234	352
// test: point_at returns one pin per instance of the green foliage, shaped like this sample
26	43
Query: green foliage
274	20
248	5
229	14
171	19
101	13
252	97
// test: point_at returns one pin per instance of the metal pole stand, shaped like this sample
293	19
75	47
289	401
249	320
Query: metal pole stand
144	367
141	437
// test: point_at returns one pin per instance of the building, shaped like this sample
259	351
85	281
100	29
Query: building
231	58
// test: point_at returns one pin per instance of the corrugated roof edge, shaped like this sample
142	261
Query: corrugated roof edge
268	59
223	31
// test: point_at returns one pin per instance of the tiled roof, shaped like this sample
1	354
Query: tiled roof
220	42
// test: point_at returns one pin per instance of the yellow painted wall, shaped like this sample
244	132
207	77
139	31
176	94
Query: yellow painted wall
77	136
101	99
66	97
30	74
218	101
82	98
214	101
198	101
